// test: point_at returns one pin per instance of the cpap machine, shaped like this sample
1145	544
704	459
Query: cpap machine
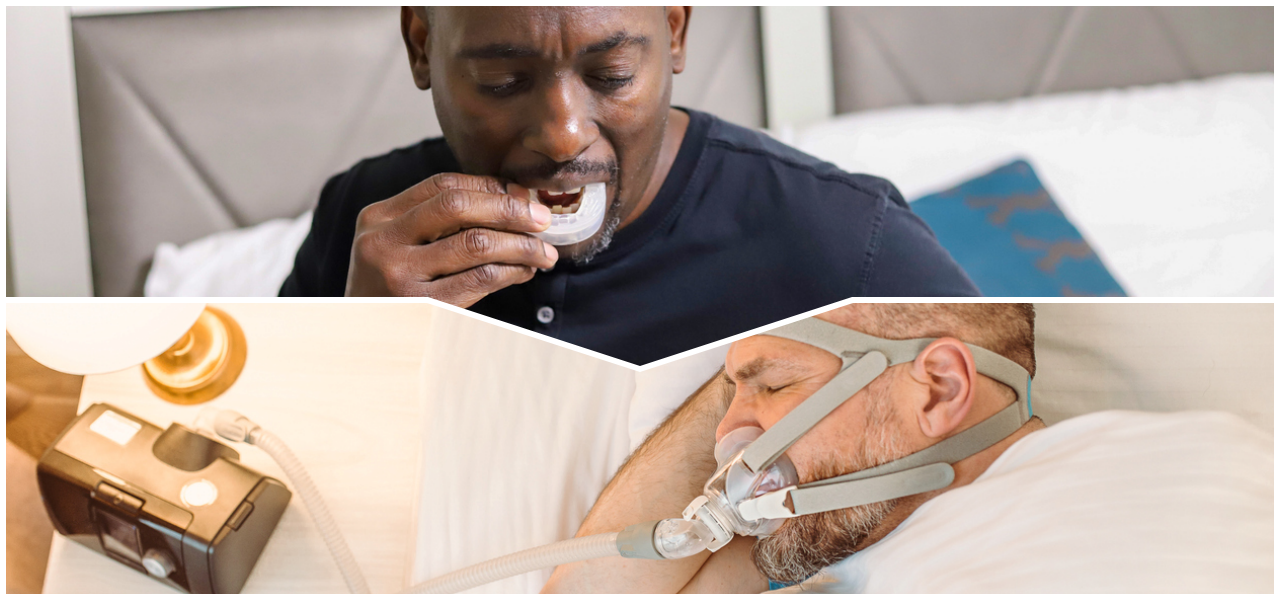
179	506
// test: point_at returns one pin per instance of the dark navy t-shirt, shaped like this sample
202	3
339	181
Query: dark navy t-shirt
744	232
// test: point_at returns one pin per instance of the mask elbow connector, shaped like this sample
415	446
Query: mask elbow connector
668	539
681	538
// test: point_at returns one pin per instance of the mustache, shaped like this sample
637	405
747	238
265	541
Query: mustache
574	167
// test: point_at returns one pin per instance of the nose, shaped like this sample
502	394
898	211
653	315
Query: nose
564	129
741	413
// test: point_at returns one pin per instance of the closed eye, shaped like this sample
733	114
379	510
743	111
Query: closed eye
772	389
504	89
614	83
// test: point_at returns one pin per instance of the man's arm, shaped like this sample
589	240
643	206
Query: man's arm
663	475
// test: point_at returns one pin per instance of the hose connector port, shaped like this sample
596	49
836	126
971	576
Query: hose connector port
681	538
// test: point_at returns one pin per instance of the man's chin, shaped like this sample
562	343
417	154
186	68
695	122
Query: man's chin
587	250
805	544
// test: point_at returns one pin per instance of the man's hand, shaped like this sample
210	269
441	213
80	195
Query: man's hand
456	238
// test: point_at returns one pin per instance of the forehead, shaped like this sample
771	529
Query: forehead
765	353
481	24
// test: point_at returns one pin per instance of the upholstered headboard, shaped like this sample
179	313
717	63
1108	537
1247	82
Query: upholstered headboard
193	122
889	56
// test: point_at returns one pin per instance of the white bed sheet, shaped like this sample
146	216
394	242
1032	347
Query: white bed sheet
1173	185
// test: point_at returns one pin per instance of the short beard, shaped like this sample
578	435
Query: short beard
602	240
805	544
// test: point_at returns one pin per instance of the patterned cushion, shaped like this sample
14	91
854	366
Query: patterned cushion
1006	231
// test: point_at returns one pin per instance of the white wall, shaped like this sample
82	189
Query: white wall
48	236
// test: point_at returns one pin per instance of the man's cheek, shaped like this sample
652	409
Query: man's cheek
804	463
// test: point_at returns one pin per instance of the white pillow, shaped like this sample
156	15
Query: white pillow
1173	185
251	261
662	389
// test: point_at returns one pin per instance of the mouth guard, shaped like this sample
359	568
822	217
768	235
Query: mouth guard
576	227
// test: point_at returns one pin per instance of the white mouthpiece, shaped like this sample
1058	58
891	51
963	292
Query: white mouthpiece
581	225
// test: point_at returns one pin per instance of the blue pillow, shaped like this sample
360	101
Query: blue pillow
1009	235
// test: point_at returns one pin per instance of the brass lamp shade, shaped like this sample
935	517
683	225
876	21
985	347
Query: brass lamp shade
202	364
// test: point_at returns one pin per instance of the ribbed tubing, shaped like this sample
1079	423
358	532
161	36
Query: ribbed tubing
302	483
583	548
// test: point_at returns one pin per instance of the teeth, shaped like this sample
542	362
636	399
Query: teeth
554	193
557	210
573	208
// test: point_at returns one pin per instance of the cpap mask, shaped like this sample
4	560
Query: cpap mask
755	488
733	484
575	216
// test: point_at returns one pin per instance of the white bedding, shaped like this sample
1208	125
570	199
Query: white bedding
245	262
1173	185
1189	508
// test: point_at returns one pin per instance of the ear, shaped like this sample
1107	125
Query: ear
413	27
946	368
678	20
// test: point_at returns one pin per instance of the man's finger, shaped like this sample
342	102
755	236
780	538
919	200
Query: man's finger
470	248
468	287
431	187
454	210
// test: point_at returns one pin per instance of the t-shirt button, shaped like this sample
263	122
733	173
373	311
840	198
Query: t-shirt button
546	315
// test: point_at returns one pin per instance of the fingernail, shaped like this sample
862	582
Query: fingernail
519	191
551	251
541	214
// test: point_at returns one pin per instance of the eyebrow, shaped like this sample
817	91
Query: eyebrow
504	50
616	40
760	365
498	50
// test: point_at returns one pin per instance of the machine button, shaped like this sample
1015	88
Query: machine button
238	517
118	499
157	563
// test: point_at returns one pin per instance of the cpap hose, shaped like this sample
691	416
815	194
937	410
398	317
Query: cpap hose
236	427
665	539
533	559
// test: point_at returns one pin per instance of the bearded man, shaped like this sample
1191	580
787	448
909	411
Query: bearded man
1113	501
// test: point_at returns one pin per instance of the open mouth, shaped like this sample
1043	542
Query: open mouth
576	214
561	203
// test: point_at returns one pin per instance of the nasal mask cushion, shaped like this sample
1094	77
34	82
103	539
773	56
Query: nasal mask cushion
733	483
755	487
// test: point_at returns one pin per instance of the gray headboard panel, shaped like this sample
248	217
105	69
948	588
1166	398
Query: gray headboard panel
890	56
194	122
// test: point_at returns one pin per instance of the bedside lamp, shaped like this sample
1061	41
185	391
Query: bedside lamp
190	353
